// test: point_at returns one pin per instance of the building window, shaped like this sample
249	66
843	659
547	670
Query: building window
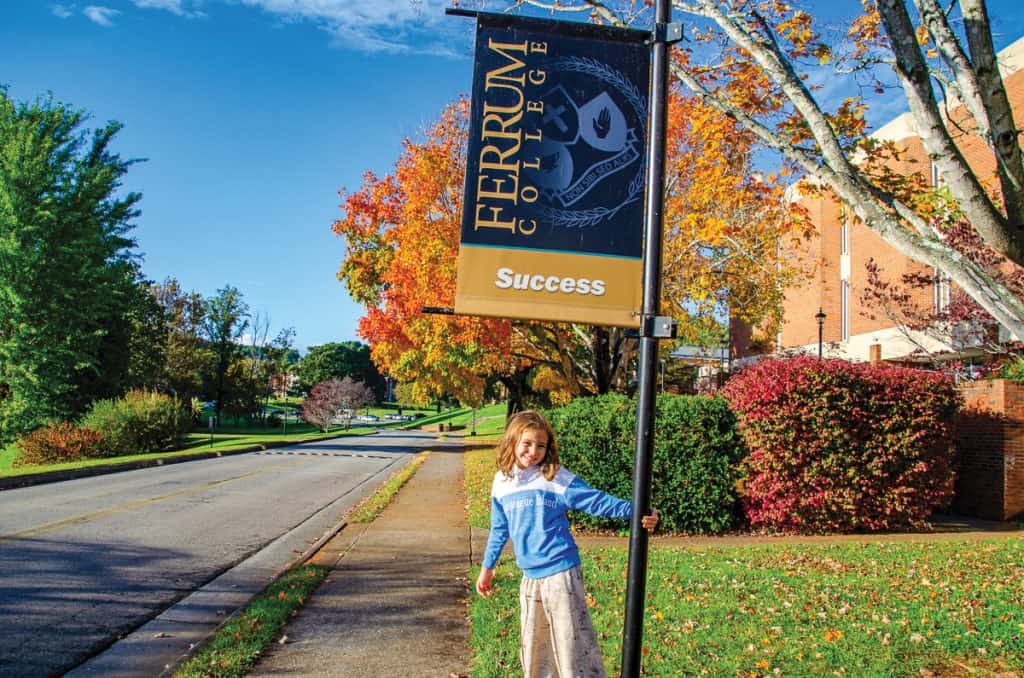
844	236
941	291
844	302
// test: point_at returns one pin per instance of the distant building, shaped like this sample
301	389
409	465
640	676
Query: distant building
839	251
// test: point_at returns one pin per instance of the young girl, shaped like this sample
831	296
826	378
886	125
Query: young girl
529	499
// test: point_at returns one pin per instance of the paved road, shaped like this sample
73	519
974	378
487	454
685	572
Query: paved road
86	561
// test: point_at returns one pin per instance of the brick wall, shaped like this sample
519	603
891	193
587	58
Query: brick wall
822	253
990	438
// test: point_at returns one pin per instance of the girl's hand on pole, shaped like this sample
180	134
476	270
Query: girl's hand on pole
650	522
483	582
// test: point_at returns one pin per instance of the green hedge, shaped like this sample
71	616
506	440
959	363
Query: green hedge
138	423
696	450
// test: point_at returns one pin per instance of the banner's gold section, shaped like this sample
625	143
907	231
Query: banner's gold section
557	286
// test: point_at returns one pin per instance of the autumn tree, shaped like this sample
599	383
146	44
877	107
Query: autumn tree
353	394
758	62
723	225
402	235
923	305
322	404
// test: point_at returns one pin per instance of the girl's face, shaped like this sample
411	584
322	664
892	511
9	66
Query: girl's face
531	448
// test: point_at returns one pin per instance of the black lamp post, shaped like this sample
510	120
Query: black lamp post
820	317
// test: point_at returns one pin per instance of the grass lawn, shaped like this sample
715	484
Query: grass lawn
226	438
490	419
480	472
238	644
231	435
951	608
870	609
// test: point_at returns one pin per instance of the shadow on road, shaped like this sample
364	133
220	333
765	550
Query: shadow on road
62	602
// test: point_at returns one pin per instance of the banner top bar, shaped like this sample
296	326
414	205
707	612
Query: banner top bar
567	28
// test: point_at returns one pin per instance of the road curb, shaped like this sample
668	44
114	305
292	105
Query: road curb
324	551
30	479
177	632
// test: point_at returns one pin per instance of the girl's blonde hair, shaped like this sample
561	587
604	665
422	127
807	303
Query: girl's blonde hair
514	429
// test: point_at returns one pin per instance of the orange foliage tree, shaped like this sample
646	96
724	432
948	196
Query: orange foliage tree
402	239
402	234
723	224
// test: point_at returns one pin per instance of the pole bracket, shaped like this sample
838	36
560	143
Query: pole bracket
669	33
659	327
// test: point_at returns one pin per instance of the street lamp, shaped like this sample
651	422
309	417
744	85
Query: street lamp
820	317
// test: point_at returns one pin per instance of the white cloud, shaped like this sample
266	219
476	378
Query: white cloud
391	26
173	6
100	15
62	11
372	26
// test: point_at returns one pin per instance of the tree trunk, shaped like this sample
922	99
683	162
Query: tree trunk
600	346
517	390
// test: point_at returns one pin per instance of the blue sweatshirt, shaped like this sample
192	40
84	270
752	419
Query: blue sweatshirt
531	510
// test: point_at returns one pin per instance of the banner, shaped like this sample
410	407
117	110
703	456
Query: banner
552	224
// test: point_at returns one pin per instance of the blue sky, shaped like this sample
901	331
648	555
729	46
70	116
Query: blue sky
252	114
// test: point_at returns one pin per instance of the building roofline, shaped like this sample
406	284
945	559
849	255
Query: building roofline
1010	60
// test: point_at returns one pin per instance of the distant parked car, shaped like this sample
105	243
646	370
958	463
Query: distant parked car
369	418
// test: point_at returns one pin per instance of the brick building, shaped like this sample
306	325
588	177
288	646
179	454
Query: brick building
838	253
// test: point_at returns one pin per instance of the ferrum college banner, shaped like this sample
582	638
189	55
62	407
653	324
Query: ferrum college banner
552	223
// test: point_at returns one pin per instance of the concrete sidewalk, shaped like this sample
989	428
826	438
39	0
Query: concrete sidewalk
395	603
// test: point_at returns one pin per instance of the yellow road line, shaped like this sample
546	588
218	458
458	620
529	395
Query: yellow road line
121	508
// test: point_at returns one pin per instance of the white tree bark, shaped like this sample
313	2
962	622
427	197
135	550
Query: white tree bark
976	83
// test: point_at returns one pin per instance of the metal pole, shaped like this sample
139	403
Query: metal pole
636	578
820	317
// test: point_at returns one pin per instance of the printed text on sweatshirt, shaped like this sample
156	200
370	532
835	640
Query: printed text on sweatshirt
531	510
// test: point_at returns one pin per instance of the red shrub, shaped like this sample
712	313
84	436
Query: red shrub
56	443
837	446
